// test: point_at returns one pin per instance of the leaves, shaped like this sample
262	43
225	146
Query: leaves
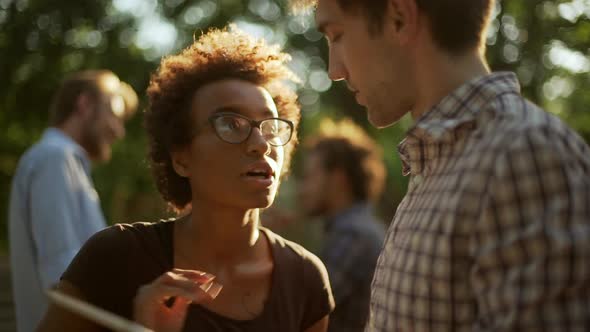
545	42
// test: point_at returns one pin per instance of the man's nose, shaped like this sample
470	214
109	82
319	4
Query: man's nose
336	69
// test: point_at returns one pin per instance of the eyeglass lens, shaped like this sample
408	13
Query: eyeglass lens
235	129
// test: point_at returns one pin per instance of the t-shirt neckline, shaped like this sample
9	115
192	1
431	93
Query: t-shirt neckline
169	248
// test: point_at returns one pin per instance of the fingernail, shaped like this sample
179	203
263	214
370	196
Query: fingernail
205	287
214	290
209	277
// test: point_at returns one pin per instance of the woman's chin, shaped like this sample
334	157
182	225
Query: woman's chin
266	203
252	202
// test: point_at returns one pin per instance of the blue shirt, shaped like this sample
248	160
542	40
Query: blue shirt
54	209
351	247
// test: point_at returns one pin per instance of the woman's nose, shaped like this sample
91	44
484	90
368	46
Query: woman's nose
257	143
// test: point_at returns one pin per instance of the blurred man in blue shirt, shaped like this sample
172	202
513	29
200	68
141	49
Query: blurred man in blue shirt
54	207
343	175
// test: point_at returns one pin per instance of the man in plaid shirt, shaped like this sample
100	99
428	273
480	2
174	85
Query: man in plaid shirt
343	175
494	232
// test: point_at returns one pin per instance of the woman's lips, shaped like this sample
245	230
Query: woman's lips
258	181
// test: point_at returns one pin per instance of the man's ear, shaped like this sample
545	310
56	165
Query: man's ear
84	106
402	18
179	157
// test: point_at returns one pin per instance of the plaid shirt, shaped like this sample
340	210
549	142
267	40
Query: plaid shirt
494	232
351	246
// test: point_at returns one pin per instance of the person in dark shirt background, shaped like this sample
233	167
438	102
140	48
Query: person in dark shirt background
343	175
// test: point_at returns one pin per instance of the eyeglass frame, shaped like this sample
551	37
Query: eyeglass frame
253	124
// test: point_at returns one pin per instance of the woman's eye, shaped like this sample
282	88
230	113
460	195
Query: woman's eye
273	129
233	124
229	125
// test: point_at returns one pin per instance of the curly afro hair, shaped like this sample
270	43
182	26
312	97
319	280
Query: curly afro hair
216	55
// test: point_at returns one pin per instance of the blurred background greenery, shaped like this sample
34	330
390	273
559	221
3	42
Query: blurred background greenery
545	42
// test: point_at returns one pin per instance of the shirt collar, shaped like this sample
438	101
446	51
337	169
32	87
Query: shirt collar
451	118
56	136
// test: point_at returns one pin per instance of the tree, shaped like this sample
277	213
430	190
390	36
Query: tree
545	42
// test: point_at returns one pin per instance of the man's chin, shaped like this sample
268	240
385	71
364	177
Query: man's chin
383	119
101	156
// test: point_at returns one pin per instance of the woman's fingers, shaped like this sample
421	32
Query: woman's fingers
208	285
164	302
194	275
171	284
212	289
180	305
160	293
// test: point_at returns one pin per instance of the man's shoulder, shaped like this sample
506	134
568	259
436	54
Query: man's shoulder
515	123
360	227
361	242
38	158
521	138
43	153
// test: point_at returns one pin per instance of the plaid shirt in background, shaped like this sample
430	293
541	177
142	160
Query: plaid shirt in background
352	243
494	232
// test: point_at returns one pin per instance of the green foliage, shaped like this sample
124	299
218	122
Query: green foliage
545	42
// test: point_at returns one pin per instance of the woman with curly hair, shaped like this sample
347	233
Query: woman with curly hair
222	125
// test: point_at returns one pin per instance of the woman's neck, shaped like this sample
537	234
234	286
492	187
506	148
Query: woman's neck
218	237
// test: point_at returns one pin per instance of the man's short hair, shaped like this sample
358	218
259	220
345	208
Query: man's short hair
93	83
456	25
346	146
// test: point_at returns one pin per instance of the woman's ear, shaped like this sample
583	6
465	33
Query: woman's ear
179	157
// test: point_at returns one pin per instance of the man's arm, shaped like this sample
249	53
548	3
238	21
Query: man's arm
54	211
532	244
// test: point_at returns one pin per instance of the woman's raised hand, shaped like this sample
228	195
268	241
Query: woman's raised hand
151	303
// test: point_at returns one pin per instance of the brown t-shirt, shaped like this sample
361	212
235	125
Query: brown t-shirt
115	262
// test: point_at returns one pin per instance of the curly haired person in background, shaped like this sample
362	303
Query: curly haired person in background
343	176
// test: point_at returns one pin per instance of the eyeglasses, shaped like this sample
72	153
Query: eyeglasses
235	128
